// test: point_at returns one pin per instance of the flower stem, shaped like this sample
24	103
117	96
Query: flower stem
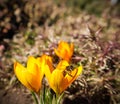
35	97
58	98
44	100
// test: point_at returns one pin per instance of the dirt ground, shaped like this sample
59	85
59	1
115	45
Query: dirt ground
15	96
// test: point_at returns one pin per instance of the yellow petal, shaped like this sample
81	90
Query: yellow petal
31	63
56	78
34	81
62	65
64	50
70	78
56	81
48	73
31	77
71	49
48	68
48	61
20	72
36	72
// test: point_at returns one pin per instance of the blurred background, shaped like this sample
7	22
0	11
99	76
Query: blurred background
34	27
17	15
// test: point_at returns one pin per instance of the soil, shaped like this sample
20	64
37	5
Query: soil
14	96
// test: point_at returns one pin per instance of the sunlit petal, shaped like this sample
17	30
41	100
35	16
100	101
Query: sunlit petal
58	79
64	50
62	65
20	72
32	75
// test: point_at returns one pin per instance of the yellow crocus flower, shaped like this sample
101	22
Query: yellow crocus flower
58	79
30	76
64	50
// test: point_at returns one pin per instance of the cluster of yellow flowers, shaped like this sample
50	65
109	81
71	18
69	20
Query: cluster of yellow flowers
32	75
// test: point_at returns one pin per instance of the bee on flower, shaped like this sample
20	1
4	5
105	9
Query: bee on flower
58	78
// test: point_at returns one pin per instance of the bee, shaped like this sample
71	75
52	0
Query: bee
68	70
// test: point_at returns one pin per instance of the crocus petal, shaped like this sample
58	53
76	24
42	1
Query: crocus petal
71	49
64	50
62	65
27	78
31	77
48	61
56	78
56	81
68	79
31	64
48	68
20	73
34	81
